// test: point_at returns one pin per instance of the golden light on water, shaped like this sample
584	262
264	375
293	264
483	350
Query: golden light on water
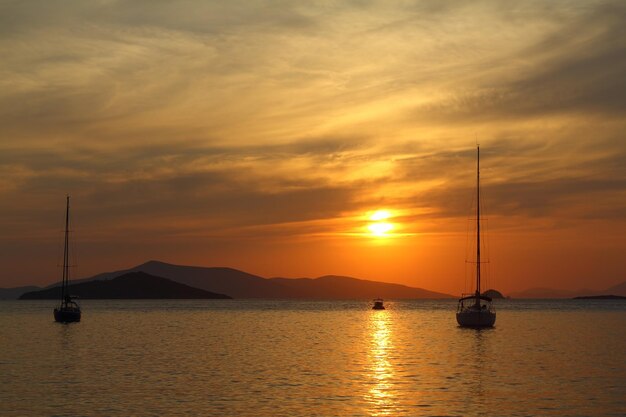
380	396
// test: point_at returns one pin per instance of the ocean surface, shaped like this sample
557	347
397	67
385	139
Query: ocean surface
312	358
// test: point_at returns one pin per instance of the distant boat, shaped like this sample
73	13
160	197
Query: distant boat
378	304
69	310
475	310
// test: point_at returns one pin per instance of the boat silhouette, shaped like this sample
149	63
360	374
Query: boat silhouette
476	310
68	311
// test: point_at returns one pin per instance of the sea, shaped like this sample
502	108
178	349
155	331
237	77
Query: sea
312	358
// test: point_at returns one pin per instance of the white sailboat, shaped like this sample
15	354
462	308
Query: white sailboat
476	310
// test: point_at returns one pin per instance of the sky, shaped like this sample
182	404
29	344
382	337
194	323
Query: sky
265	136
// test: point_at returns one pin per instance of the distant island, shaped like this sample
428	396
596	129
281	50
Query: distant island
132	285
494	294
600	297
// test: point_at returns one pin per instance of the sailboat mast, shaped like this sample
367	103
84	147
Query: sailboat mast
66	263
477	225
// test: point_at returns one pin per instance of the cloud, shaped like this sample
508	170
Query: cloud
241	114
575	69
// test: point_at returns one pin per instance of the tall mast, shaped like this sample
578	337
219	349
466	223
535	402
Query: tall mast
477	225
66	263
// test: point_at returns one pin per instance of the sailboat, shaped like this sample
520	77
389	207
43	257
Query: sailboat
69	310
476	310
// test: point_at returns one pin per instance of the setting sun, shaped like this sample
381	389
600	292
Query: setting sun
380	215
380	228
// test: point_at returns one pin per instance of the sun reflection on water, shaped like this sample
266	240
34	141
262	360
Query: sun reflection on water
380	396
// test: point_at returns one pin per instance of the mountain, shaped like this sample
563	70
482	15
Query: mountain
14	293
132	285
239	284
229	281
338	287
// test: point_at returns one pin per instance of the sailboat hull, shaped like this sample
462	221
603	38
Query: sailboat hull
476	319
63	315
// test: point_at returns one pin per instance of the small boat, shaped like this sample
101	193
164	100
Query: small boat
378	304
69	310
476	310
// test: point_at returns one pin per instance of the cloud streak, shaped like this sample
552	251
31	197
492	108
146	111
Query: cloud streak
224	121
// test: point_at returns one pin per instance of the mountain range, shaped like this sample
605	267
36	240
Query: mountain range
239	284
132	285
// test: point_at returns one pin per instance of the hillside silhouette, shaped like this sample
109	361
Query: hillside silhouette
239	284
339	287
131	285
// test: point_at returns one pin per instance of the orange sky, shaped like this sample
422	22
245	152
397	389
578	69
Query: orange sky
263	137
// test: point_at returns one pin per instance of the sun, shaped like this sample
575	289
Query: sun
380	227
379	215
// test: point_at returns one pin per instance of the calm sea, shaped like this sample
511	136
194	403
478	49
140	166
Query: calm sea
312	358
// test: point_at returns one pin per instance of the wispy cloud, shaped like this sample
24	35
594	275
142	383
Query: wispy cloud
221	119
